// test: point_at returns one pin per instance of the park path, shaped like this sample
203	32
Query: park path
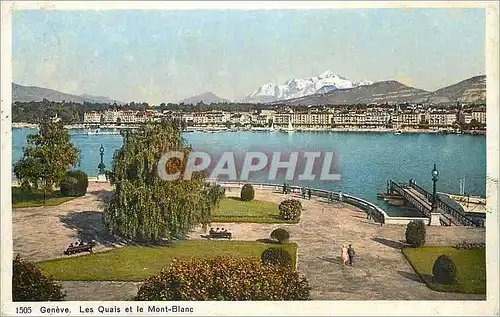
42	233
380	271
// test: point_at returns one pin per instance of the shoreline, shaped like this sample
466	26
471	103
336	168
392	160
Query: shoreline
24	125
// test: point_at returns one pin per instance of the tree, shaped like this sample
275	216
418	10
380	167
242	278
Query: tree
444	270
247	192
47	157
290	209
415	233
146	208
30	284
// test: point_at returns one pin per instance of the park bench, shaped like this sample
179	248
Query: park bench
220	234
82	247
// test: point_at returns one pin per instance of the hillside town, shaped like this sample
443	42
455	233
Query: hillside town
320	118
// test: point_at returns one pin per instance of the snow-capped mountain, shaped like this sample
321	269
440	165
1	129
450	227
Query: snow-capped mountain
296	88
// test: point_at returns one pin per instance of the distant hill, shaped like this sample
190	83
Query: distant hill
206	98
380	92
32	93
469	90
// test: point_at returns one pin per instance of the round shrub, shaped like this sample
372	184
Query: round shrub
415	233
29	284
444	270
224	278
290	209
276	256
247	192
83	181
280	235
68	186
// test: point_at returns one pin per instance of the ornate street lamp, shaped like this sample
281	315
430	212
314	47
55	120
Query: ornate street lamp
101	165
435	175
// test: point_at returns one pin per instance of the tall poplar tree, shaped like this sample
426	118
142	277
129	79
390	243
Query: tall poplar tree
146	208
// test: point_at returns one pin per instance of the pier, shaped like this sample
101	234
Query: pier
449	213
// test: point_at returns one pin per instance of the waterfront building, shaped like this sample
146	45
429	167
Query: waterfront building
466	116
92	117
479	115
281	119
128	116
260	120
240	118
199	118
318	119
442	119
377	118
111	116
410	118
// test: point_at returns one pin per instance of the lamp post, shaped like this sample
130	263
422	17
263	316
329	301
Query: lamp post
101	165
435	175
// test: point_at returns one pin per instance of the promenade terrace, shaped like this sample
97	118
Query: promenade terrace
380	272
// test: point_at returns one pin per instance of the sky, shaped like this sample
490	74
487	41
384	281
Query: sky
165	56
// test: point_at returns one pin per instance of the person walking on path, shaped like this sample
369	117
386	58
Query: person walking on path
344	255
351	253
309	193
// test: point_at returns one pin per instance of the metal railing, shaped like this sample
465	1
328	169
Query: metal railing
400	190
377	213
443	206
457	214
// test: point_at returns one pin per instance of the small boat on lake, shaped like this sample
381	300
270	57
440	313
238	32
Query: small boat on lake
99	132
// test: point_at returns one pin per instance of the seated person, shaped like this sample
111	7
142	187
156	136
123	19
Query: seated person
222	230
217	230
211	231
71	245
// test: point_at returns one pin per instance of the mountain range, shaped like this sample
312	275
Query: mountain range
32	93
297	88
469	90
330	88
327	88
206	97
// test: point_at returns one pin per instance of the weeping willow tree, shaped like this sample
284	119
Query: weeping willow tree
146	208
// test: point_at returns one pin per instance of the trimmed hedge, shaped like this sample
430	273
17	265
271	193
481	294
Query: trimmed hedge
29	284
415	233
444	270
276	256
83	181
280	235
290	209
224	278
247	192
69	186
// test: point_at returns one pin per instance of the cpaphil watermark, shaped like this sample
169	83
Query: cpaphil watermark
242	165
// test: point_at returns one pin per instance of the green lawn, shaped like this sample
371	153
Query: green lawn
22	199
233	209
471	268
137	263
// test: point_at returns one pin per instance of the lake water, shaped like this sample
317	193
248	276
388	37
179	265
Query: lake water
365	160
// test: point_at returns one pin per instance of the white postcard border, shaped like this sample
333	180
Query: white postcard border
488	307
